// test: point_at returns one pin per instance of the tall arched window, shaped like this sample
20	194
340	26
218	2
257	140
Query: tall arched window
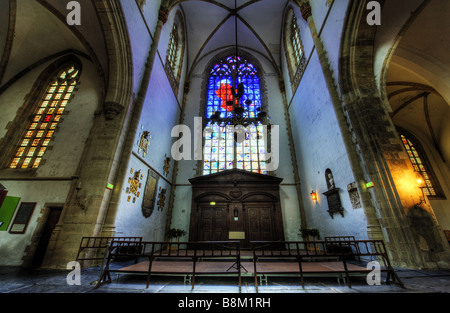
295	56
221	149
175	52
421	165
173	47
46	118
296	42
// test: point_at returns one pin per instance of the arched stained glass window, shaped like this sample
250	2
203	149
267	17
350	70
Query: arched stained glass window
175	52
294	51
296	42
173	47
221	149
422	166
46	119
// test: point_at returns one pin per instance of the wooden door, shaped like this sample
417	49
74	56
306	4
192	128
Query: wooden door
260	224
52	220
212	224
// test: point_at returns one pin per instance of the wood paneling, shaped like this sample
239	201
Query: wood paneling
244	201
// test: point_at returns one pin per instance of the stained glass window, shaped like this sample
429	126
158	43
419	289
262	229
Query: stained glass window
45	119
173	45
221	149
296	42
420	165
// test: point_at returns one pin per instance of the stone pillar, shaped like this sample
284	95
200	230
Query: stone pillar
373	225
389	206
108	221
175	166
303	222
91	209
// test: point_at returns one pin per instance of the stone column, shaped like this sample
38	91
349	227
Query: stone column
107	221
373	226
303	222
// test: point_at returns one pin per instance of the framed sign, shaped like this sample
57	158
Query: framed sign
148	202
7	210
22	218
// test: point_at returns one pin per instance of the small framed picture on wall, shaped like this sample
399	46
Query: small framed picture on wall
22	218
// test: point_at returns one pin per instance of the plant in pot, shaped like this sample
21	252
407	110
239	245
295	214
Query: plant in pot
175	233
311	235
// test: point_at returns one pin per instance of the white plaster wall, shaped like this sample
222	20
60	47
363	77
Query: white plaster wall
319	145
13	246
129	220
61	161
140	40
160	113
332	34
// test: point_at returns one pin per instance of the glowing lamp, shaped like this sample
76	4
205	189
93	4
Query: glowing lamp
110	186
369	185
313	195
420	180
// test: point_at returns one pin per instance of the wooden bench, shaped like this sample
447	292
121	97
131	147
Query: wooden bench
350	247
291	255
93	248
189	258
219	258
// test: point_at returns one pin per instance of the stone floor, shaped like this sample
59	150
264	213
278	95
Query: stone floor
27	288
18	280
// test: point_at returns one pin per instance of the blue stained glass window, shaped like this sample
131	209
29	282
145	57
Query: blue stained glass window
221	151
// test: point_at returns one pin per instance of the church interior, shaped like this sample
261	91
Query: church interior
189	120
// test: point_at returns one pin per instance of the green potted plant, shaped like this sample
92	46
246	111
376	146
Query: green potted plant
310	234
176	233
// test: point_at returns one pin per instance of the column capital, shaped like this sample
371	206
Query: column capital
305	8
163	14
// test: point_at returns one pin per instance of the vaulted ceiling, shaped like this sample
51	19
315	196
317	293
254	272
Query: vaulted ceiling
211	27
418	78
37	31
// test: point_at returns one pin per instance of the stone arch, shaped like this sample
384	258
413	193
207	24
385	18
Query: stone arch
378	144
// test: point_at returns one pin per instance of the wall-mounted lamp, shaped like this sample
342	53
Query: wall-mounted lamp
212	203
110	186
420	180
313	195
236	214
420	184
77	197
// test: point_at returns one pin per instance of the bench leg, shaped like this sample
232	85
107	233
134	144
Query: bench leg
149	271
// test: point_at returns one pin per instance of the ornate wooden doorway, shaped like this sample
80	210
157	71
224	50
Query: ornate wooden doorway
236	204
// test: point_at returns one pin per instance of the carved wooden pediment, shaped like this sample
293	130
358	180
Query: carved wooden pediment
236	177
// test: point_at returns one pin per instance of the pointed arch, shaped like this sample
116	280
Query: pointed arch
421	164
293	47
175	51
30	133
45	105
223	150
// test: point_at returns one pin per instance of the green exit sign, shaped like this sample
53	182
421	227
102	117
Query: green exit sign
369	184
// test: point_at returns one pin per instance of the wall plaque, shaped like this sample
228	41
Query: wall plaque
334	202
